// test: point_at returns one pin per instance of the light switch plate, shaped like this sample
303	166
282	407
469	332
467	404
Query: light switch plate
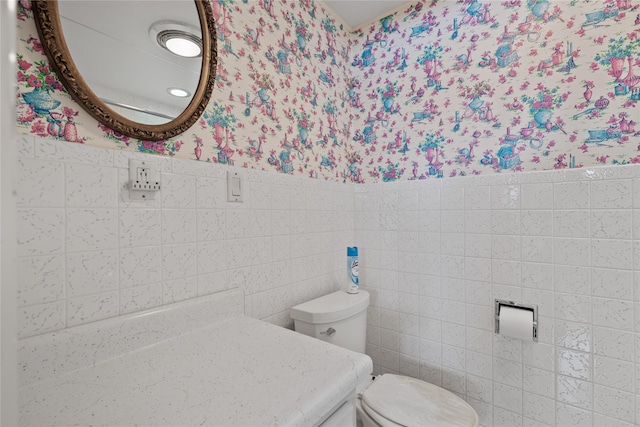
235	187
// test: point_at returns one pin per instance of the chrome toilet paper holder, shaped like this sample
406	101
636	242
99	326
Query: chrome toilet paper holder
531	307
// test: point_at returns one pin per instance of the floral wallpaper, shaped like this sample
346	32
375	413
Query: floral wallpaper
439	89
446	88
279	102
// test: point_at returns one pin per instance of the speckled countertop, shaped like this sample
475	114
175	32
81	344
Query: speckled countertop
237	372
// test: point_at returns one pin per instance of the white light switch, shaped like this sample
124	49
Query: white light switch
234	187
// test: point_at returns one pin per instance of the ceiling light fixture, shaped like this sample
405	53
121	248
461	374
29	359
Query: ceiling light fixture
180	93
178	38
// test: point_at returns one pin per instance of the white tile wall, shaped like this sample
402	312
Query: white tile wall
434	255
88	252
562	240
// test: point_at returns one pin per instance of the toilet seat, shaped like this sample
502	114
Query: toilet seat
379	419
397	400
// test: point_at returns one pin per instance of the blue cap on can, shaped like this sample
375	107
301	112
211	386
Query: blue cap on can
352	251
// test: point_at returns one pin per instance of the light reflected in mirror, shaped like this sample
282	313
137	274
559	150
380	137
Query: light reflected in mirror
114	46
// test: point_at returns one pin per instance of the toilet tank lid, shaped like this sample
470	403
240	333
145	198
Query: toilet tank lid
331	308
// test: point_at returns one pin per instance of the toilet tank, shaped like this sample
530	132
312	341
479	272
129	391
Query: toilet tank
339	318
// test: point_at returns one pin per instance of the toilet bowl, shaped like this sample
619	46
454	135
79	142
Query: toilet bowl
387	400
397	400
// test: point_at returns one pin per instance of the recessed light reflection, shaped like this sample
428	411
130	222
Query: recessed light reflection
179	38
180	93
183	47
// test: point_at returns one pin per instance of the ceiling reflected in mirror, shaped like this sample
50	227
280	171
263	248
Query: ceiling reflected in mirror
122	51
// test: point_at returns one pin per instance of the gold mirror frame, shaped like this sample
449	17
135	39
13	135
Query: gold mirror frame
47	19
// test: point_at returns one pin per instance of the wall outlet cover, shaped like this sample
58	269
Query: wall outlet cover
144	180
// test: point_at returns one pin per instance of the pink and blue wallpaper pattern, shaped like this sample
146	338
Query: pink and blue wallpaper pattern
437	89
472	87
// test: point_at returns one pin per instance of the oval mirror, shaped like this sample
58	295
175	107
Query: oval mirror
116	59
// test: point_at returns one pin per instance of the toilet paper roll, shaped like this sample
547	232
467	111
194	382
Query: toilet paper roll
516	323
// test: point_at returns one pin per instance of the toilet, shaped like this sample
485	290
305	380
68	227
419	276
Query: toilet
387	400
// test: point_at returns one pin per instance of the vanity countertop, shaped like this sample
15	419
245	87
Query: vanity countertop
237	372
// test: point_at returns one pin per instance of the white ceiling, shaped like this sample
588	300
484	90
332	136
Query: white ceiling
355	13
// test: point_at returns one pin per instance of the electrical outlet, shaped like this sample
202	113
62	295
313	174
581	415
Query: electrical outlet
144	180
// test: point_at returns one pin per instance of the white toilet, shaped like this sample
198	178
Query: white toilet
389	400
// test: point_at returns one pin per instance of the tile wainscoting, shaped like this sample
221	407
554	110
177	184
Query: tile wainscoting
435	255
88	252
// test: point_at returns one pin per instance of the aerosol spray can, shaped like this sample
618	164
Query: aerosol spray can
352	269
